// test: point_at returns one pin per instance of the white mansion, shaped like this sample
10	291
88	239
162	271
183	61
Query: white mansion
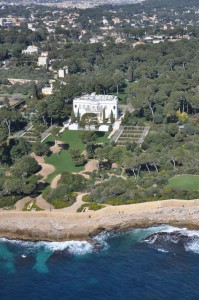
98	104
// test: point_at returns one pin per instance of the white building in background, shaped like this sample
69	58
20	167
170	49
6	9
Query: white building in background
96	104
43	59
63	72
30	50
31	27
48	89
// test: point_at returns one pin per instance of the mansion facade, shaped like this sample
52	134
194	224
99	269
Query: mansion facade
101	105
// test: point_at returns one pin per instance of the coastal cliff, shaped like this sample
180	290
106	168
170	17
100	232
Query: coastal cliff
57	225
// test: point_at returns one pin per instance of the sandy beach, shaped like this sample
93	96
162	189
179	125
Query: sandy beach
58	225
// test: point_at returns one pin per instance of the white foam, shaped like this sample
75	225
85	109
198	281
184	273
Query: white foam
102	239
171	229
73	247
151	240
84	247
163	250
184	231
193	246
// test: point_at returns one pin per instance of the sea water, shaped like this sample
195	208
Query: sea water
154	263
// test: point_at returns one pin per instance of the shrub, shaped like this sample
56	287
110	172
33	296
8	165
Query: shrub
58	204
27	165
85	198
34	206
7	201
41	149
158	118
90	206
77	157
74	182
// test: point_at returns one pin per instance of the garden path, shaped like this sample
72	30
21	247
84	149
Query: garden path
42	203
73	208
54	182
19	205
46	169
91	166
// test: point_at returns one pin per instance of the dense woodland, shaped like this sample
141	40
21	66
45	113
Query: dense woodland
160	81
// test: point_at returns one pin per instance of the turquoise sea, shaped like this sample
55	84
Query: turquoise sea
154	263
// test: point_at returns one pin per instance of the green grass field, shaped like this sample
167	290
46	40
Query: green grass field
63	161
185	182
102	137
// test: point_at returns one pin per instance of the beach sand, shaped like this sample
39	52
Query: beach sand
59	225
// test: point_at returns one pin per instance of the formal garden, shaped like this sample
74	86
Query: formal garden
160	92
64	160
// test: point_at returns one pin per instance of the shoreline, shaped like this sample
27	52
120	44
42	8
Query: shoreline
58	225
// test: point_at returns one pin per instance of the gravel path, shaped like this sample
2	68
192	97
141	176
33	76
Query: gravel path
42	203
54	182
20	204
46	169
91	165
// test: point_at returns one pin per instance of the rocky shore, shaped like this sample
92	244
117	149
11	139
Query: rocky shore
58	225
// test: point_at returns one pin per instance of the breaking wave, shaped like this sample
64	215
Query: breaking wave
163	238
169	238
73	247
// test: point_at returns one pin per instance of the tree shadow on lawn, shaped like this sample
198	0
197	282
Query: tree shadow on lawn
50	143
100	134
64	146
41	186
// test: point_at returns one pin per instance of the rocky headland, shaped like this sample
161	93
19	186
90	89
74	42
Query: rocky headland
58	225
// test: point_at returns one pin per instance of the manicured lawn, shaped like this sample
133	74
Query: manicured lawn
185	182
63	161
102	137
72	138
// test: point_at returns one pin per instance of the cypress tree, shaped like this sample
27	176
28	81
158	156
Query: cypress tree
130	74
104	116
72	117
6	101
34	91
112	119
78	116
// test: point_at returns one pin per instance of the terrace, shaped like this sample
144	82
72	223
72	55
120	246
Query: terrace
130	134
